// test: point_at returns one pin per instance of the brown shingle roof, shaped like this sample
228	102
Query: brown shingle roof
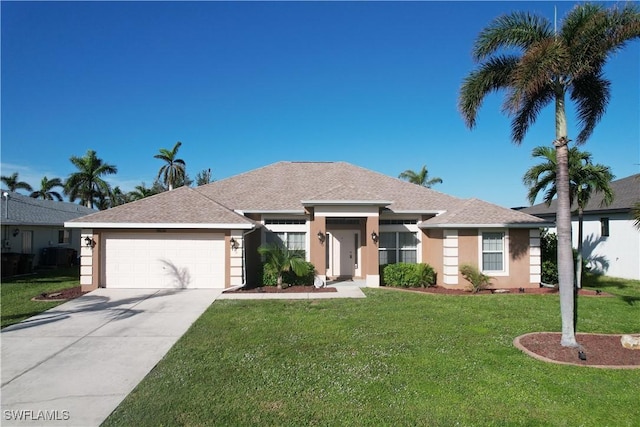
626	193
284	186
474	213
183	205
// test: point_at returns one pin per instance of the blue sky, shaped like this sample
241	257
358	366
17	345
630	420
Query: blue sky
246	84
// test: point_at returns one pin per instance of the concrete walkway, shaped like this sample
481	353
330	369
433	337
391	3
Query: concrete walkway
74	364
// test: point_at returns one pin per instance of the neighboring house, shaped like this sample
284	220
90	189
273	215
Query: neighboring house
611	243
348	220
33	232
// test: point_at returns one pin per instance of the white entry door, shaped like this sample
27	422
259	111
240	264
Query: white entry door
346	255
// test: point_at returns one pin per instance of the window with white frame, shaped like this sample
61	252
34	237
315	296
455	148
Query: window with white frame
291	240
397	246
493	250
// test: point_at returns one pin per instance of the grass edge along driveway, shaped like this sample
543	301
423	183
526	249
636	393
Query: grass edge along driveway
16	293
393	358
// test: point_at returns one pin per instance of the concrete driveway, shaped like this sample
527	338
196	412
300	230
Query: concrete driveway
73	365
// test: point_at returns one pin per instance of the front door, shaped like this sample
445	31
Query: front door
345	253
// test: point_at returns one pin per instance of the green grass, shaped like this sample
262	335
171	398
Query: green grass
394	358
16	293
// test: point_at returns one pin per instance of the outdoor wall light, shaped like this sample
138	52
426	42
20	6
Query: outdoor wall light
234	243
16	232
321	236
88	242
374	237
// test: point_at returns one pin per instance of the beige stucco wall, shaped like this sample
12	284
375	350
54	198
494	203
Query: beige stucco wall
519	257
432	252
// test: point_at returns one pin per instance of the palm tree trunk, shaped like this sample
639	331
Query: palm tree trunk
563	223
279	281
579	257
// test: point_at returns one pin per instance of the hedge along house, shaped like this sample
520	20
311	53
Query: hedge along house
349	221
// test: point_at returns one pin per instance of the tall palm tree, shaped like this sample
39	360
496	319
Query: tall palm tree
585	179
46	189
421	177
536	65
87	184
13	184
173	171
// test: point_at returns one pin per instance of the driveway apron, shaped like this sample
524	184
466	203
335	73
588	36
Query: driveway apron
73	365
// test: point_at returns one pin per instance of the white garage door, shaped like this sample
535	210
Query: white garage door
163	260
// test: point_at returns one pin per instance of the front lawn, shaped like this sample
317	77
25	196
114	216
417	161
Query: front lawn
16	293
394	358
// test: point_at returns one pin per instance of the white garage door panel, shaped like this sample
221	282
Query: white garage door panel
164	260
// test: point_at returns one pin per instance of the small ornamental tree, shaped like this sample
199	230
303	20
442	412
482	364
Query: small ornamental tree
477	280
280	259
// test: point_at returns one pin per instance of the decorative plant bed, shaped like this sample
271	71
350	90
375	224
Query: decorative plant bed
598	350
62	295
275	290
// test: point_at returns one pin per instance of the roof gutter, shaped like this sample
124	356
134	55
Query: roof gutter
177	226
506	225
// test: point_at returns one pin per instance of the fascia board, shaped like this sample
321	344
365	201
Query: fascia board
179	226
513	225
345	202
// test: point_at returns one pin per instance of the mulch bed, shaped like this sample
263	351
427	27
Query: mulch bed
64	294
275	290
600	350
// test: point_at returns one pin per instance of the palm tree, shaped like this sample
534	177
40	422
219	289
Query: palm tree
46	189
173	171
87	184
117	197
585	178
537	66
281	259
141	191
14	184
420	178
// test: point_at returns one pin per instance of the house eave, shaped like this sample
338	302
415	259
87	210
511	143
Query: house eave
273	211
156	225
345	202
415	212
504	225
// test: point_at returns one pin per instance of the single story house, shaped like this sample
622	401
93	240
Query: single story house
33	232
610	241
349	221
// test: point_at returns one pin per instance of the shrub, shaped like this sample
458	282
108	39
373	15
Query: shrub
549	272
477	280
270	275
408	275
549	256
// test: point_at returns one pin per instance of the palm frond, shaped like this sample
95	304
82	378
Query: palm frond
591	93
493	75
515	30
530	108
